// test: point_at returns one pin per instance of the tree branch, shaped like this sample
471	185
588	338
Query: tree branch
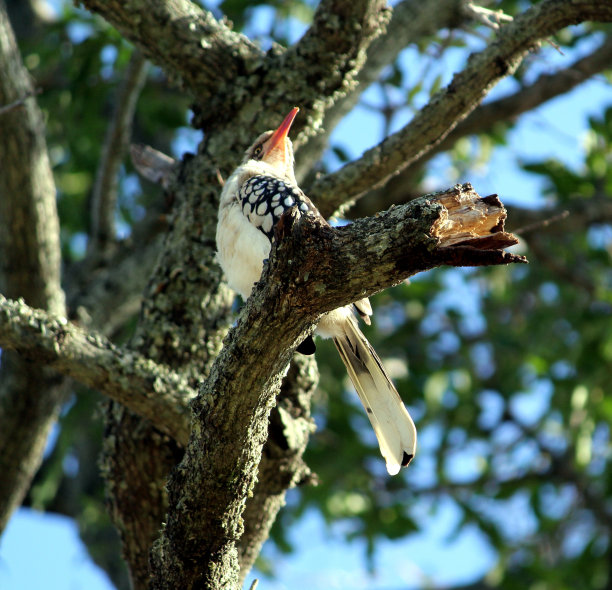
313	269
29	242
104	194
281	466
334	48
411	21
485	16
483	118
545	88
188	43
94	285
147	388
30	267
318	67
448	107
570	217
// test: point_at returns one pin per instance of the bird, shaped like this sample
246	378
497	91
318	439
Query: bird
253	199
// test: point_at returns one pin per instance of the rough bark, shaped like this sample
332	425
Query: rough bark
195	50
30	396
136	460
182	323
281	466
147	388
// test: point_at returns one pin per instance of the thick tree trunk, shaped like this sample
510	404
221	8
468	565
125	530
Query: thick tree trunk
30	395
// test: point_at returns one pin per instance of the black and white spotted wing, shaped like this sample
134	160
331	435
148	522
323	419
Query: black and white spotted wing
265	198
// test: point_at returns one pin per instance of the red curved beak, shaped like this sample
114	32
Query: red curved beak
278	138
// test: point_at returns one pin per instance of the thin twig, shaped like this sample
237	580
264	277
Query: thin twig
542	223
104	195
18	103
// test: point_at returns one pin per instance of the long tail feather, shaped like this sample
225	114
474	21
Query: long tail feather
391	421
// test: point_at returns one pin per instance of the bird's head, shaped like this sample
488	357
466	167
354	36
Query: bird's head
275	150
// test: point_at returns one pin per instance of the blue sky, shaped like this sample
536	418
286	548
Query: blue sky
39	550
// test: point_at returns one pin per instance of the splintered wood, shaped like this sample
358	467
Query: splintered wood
471	220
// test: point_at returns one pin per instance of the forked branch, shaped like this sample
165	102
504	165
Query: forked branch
313	269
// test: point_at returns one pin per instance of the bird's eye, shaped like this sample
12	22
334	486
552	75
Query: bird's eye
258	151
